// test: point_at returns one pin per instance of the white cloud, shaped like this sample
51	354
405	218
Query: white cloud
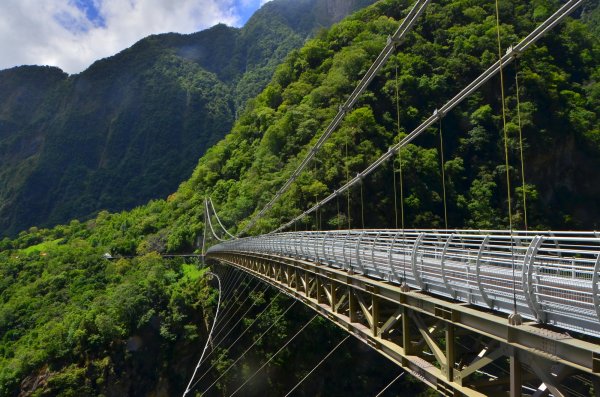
58	33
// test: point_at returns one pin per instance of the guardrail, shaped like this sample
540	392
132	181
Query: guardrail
553	277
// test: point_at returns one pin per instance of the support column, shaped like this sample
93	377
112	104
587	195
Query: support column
375	315
352	305
333	297
406	344
307	284
515	374
450	345
319	288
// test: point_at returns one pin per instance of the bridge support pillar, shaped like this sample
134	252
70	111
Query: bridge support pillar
375	315
515	374
319	287
406	343
334	299
352	306
450	353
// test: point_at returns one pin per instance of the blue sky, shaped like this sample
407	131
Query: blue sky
72	34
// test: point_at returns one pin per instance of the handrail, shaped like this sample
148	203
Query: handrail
556	286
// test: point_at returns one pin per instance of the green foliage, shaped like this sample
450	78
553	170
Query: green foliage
68	315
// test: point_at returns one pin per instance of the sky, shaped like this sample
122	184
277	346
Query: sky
72	34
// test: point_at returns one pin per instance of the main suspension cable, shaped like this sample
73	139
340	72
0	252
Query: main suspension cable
219	220
210	222
523	45
392	43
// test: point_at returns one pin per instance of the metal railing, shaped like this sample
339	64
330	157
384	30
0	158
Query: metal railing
551	277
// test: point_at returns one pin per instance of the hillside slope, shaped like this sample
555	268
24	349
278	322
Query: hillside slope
66	315
131	127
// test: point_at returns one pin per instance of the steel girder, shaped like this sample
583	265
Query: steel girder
485	356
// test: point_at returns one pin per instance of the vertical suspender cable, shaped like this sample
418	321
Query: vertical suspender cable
362	205
204	233
347	178
506	164
443	173
521	144
339	222
401	178
393	164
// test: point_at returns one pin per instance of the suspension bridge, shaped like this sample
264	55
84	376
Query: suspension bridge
468	312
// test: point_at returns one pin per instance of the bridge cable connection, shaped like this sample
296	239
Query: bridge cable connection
506	59
393	42
389	384
274	355
187	389
318	365
238	338
253	344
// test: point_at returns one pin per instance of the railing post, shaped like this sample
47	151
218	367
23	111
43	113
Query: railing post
358	261
482	292
527	278
443	267
595	287
325	261
346	263
390	256
413	261
373	255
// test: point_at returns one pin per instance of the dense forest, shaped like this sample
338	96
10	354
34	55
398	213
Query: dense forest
131	127
75	323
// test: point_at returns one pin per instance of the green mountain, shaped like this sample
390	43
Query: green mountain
131	127
72	323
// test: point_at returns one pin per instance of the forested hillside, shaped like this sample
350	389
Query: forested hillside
67	316
131	127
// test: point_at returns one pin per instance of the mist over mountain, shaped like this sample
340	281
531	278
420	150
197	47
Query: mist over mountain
132	126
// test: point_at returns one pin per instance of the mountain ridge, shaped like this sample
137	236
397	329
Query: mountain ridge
72	145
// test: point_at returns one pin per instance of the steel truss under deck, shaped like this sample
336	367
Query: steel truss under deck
486	355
